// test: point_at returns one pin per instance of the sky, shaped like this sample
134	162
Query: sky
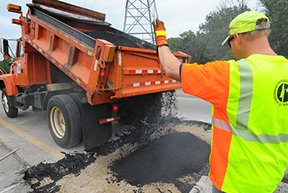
179	16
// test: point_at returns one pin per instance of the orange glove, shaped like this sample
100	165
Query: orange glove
160	33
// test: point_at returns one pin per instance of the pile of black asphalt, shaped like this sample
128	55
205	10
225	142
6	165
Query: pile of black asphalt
164	159
70	164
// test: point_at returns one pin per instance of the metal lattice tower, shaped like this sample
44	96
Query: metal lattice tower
139	16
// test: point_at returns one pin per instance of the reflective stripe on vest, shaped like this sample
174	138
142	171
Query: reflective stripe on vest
241	130
249	136
246	90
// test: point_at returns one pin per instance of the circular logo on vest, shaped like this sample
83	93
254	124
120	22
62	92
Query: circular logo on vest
281	93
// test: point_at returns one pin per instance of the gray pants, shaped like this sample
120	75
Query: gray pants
215	190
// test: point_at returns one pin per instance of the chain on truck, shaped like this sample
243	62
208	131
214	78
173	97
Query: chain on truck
86	74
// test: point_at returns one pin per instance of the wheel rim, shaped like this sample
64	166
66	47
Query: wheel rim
5	103
57	122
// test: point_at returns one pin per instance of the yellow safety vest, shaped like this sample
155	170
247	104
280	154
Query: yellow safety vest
257	110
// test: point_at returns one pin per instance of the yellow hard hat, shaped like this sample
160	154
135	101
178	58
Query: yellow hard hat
246	22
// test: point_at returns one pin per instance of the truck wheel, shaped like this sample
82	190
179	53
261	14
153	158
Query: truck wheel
10	111
64	121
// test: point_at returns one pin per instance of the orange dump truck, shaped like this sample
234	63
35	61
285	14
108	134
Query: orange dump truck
85	73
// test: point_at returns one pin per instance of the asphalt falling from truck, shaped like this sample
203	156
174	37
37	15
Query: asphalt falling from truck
162	155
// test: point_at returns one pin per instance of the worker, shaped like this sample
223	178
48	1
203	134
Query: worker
6	63
249	148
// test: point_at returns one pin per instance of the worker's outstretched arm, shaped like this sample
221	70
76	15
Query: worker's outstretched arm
170	63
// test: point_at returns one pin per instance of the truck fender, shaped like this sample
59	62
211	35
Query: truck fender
95	134
8	83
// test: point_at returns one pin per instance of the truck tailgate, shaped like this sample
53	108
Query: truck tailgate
141	73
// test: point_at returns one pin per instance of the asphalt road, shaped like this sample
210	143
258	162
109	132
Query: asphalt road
29	132
192	108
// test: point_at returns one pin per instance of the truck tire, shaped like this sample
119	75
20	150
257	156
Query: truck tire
64	121
77	97
10	111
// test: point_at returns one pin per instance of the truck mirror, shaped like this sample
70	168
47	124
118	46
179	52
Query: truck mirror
1	50
5	50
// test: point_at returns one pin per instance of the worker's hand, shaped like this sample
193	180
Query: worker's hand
160	33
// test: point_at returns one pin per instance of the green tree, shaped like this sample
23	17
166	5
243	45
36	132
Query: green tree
205	45
277	11
215	29
190	44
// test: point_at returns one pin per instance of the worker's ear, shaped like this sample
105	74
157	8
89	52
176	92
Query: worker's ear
238	39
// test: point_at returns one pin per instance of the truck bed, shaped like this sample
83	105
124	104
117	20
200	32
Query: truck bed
77	46
119	38
92	29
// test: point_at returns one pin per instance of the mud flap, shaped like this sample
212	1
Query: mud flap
95	134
